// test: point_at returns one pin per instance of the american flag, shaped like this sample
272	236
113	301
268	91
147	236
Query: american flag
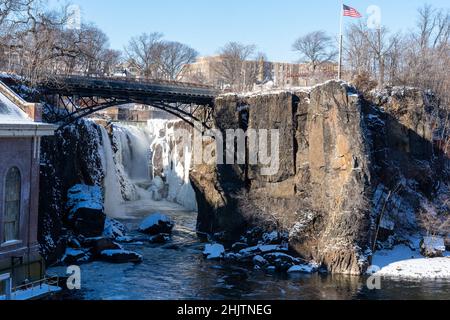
351	12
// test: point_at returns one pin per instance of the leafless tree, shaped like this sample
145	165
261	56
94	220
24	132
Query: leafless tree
373	50
234	67
173	58
427	53
315	48
144	52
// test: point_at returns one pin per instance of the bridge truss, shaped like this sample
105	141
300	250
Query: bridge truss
73	98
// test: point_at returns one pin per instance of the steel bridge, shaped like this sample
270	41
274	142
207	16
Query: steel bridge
69	98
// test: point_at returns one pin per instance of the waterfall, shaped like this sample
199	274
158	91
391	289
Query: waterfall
147	163
112	190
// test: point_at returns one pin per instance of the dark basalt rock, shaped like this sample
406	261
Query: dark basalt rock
120	256
157	224
88	222
160	238
102	244
86	216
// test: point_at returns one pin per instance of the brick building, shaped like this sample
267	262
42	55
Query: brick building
20	134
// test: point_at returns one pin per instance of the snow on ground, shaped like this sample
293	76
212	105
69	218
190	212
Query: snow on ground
404	262
436	268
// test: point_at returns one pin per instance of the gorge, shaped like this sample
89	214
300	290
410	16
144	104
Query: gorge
356	172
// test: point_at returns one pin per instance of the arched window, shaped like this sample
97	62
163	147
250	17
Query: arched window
12	205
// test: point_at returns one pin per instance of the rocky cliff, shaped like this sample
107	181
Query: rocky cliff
351	170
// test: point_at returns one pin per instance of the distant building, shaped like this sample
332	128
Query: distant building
280	74
20	134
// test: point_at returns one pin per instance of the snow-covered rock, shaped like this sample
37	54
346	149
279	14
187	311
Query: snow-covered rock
214	251
304	268
86	215
273	237
432	247
281	261
260	249
157	223
120	256
99	245
260	261
76	256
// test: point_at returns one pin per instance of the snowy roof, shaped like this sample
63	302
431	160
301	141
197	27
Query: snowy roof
15	122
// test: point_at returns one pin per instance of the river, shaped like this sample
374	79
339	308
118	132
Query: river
178	271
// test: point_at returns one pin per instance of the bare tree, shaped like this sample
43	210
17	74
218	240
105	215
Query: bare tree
173	58
144	51
234	68
427	53
380	45
315	48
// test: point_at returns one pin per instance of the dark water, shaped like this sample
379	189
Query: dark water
178	271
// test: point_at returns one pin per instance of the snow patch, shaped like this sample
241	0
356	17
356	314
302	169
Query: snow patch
304	268
436	268
214	251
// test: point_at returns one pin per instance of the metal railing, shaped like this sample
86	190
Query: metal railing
31	290
6	279
137	80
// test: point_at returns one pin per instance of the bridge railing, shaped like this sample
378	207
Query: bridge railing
138	80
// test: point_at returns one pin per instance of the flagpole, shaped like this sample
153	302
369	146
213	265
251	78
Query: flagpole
341	40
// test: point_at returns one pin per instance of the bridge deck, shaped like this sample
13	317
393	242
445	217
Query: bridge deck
131	89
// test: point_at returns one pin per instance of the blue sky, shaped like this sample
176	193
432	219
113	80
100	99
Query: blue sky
206	25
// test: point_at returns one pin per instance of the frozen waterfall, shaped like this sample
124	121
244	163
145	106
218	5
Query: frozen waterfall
146	162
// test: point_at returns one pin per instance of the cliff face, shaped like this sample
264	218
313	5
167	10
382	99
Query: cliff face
337	153
71	157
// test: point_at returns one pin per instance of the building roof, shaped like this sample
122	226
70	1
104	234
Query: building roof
14	122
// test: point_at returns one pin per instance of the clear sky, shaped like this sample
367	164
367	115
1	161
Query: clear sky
206	25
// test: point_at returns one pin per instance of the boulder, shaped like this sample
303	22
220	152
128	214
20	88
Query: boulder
274	237
281	261
261	249
120	256
160	238
102	244
432	247
238	246
447	243
76	256
85	205
155	224
260	261
304	268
